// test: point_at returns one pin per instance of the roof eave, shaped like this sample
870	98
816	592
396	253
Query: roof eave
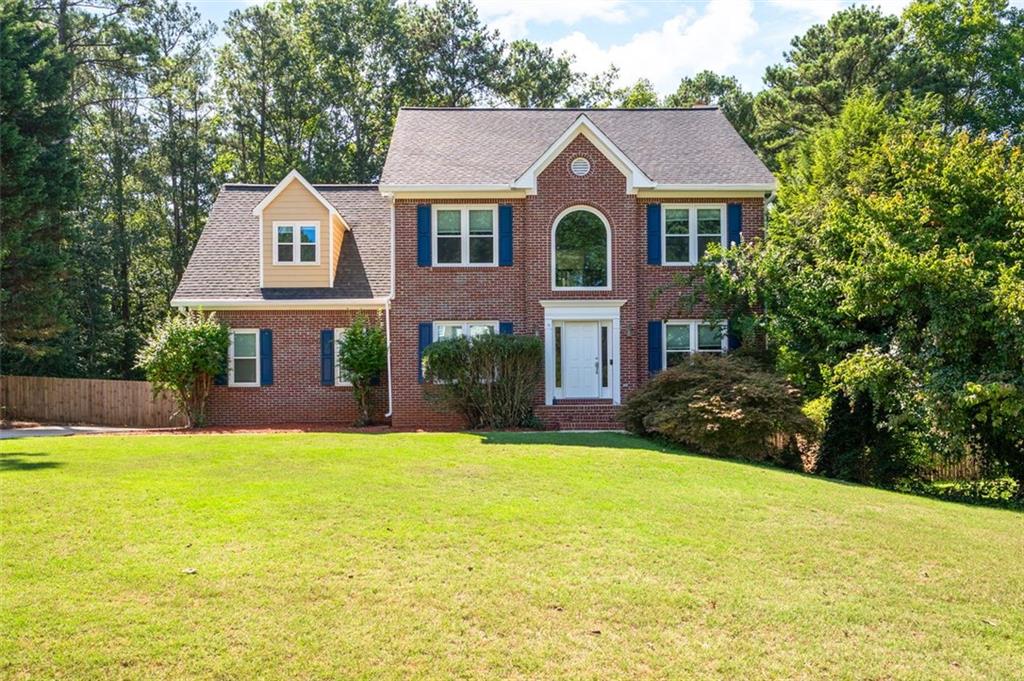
215	304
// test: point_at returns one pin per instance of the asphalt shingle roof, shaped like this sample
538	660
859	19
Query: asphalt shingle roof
495	146
226	261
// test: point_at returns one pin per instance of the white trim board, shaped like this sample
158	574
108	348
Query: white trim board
295	175
295	304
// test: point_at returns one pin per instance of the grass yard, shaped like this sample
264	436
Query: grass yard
481	556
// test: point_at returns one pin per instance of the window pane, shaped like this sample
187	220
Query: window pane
245	345
604	356
284	253
285	234
481	221
445	331
245	370
674	358
704	241
677	337
558	357
677	221
307	235
581	257
307	253
449	222
677	249
709	221
449	249
480	329
481	249
709	337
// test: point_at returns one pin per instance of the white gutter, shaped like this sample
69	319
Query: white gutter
387	336
387	309
286	304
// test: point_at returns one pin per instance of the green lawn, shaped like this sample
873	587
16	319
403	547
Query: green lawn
484	556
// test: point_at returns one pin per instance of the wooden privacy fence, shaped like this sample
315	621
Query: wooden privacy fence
85	400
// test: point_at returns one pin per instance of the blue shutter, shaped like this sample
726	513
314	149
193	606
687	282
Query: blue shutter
505	235
735	221
732	336
266	357
423	258
222	377
654	340
654	234
426	337
505	328
327	357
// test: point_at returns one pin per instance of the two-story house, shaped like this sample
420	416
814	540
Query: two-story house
558	223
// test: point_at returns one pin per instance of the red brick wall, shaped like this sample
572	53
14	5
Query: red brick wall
426	294
296	395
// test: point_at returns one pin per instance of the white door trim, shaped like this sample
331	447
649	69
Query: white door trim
581	310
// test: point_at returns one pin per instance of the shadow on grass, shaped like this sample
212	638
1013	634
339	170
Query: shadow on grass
608	440
15	462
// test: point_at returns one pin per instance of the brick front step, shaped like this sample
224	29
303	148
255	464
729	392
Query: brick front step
592	416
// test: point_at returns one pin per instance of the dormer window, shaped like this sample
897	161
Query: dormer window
296	243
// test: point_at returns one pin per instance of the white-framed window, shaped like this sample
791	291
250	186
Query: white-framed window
457	329
297	243
445	330
685	337
581	251
688	230
339	379
465	236
244	358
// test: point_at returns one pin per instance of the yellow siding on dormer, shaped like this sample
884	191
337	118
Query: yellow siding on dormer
339	236
295	204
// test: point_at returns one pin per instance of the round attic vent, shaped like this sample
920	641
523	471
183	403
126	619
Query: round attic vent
580	166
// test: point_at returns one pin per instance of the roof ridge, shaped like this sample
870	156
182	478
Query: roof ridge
348	185
700	107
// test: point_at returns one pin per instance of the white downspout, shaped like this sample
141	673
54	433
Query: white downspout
387	308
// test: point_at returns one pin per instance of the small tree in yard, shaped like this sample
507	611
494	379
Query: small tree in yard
362	356
181	357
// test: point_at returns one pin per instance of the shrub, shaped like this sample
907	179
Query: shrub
858	446
181	357
362	356
725	406
491	379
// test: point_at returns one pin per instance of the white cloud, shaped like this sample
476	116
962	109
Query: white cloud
685	44
818	9
512	16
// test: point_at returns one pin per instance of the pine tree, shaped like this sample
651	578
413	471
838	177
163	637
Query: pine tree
38	181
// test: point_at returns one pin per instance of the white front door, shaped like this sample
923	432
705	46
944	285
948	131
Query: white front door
581	368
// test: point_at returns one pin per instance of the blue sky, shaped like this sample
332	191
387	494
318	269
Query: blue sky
659	40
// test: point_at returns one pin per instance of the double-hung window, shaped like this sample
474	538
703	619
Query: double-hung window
684	338
465	235
244	358
689	230
446	330
339	378
296	243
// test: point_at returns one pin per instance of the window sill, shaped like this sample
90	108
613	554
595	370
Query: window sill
458	266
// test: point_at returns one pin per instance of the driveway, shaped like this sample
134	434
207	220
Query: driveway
57	431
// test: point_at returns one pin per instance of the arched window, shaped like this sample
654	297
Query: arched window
581	250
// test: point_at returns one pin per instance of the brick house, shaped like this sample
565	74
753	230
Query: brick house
555	223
